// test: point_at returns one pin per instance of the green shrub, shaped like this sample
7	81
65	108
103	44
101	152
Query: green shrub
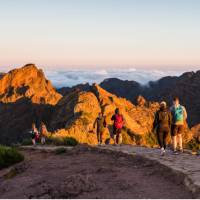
193	144
136	138
151	139
59	141
9	156
70	141
26	142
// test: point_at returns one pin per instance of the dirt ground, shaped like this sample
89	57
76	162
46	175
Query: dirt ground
83	173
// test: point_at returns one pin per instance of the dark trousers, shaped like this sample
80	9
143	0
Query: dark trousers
162	136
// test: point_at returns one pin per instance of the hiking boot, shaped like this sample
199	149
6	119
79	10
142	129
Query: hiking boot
181	150
175	152
162	151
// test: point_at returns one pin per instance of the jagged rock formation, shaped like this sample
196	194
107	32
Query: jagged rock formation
196	132
141	101
75	114
1	75
28	82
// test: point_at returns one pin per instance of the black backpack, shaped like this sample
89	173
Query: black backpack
163	117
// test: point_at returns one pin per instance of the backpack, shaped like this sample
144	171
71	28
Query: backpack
163	117
178	113
118	121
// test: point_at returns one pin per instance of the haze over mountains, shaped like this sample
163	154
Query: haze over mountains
26	96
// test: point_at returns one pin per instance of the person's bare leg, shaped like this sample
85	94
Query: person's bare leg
180	141
174	142
33	141
120	139
115	139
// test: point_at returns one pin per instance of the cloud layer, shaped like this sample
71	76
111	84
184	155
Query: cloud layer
68	78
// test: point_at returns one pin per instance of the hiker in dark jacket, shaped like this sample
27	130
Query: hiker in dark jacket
162	124
117	126
100	122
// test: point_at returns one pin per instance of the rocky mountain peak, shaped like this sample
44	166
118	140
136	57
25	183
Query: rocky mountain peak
27	82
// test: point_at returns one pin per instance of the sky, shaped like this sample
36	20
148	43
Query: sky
142	34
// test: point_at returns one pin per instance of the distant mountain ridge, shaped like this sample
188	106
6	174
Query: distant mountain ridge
186	87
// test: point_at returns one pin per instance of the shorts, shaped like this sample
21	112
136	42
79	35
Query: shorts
116	131
177	129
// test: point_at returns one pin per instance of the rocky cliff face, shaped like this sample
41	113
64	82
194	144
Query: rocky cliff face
27	82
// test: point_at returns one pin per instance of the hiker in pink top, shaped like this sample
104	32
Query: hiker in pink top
117	126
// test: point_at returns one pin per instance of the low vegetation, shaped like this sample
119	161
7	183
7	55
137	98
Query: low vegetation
62	141
151	139
27	142
9	156
193	144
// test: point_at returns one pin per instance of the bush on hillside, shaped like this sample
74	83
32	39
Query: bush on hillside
65	141
193	144
9	156
133	137
151	139
26	142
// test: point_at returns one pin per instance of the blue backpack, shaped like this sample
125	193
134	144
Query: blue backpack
178	113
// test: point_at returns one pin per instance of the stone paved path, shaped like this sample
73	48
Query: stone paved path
185	163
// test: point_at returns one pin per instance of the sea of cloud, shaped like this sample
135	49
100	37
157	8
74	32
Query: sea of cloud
68	78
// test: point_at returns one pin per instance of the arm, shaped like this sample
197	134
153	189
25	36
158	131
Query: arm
95	123
105	123
170	119
124	121
184	113
155	123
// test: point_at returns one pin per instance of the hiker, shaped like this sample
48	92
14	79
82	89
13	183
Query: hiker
34	134
43	132
117	126
179	116
101	125
162	124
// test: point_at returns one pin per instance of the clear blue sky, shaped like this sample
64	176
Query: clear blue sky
138	33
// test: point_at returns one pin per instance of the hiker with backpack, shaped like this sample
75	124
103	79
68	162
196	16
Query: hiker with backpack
100	123
117	126
34	134
162	124
43	133
179	116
